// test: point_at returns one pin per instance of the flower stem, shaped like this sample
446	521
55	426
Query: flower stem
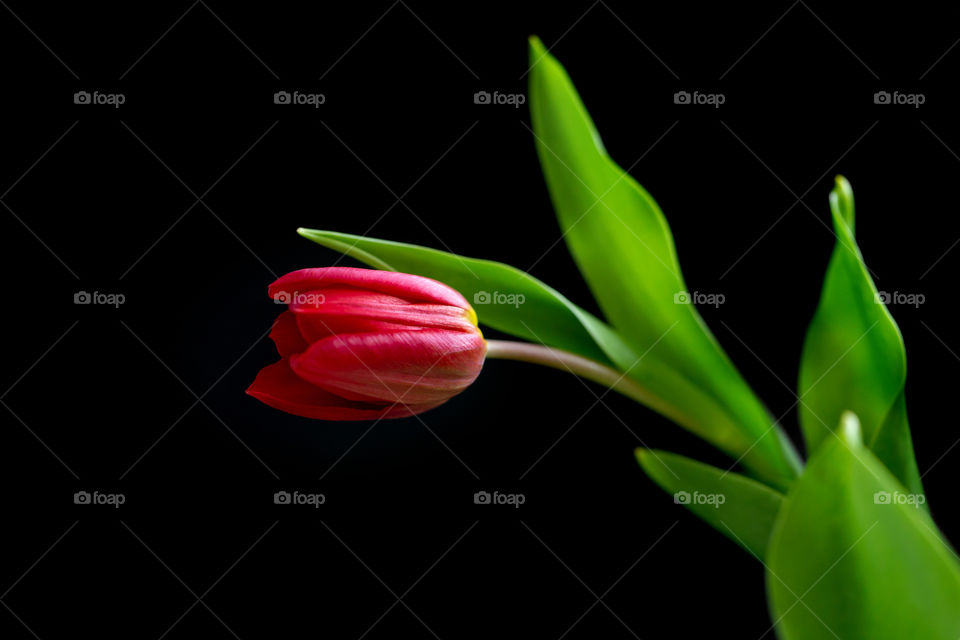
572	363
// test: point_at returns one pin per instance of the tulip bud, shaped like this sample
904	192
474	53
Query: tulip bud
361	344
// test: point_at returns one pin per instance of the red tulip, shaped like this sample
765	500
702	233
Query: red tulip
361	344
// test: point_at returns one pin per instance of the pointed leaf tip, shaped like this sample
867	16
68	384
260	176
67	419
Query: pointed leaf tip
841	201
850	428
536	45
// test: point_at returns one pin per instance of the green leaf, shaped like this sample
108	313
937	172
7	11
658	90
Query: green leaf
853	356
852	557
742	509
542	314
624	249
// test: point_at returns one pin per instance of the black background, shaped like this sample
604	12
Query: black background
186	200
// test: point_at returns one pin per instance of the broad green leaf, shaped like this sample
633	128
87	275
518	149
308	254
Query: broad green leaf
624	249
537	313
853	356
852	555
740	508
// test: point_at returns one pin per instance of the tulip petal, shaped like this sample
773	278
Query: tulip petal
336	310
402	285
286	335
413	367
278	387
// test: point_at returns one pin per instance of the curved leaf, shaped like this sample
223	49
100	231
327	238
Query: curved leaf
853	356
742	509
542	314
624	249
851	555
